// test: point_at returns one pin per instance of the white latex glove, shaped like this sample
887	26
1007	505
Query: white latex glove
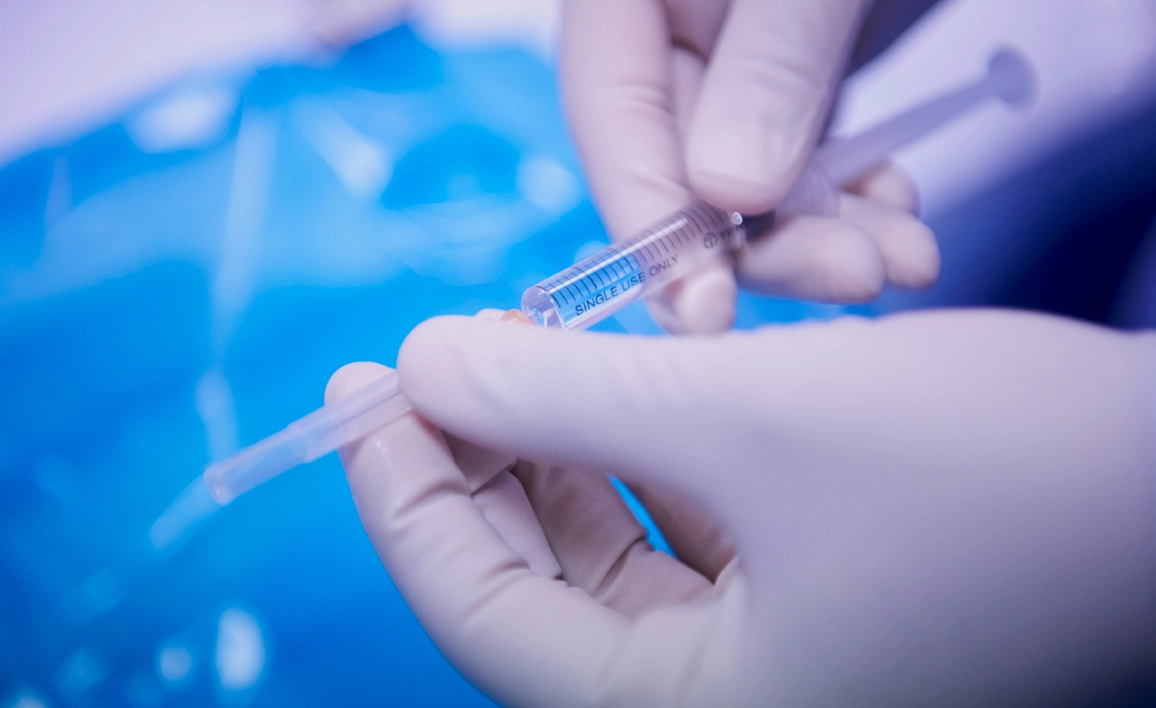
952	508
725	99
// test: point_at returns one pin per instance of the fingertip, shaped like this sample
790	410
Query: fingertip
918	265
706	301
752	133
490	313
815	258
722	186
352	377
661	307
451	368
427	350
907	245
890	185
744	171
430	337
700	303
854	275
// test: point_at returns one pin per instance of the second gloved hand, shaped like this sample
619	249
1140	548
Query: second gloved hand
723	100
933	509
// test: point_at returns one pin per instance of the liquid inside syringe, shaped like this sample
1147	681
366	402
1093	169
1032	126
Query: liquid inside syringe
607	281
611	279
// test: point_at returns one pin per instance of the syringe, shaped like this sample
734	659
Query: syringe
617	275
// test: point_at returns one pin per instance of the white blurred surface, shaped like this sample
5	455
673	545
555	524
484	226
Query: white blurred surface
186	118
240	651
532	24
174	663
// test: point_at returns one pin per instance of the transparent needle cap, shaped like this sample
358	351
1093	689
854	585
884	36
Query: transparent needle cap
307	438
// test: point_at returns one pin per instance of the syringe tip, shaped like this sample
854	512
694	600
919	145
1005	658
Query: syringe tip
1012	77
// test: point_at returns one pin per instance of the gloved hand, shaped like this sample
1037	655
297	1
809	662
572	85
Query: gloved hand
951	508
724	100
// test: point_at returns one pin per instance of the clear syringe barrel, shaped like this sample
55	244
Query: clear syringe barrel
617	275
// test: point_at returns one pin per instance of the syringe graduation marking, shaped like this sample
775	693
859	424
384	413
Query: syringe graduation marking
608	261
618	261
624	268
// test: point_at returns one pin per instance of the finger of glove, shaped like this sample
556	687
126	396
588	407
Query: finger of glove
504	504
814	258
628	103
829	260
888	184
907	245
765	98
693	535
701	302
615	67
502	501
476	597
599	544
477	464
616	404
490	313
686	72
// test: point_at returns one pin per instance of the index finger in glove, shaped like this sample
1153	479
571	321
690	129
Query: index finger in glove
874	241
765	98
644	409
628	92
616	73
476	597
601	547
